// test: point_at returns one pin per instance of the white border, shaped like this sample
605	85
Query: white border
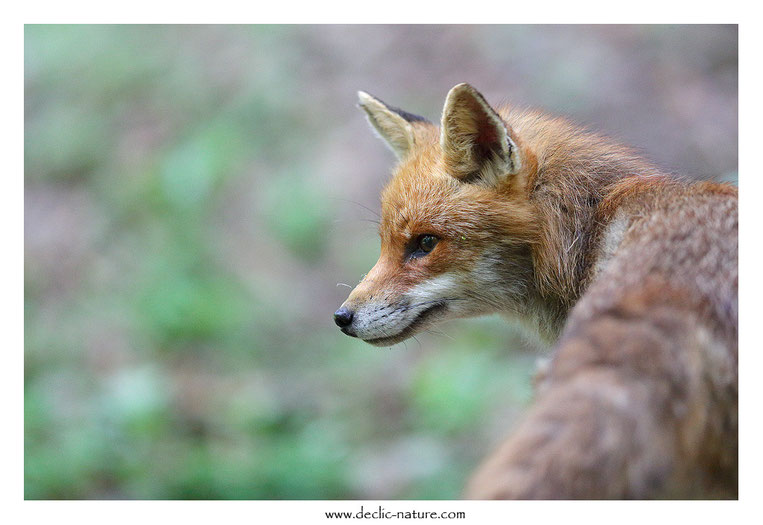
387	12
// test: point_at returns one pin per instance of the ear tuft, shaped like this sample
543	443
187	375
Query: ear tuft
473	135
364	98
392	124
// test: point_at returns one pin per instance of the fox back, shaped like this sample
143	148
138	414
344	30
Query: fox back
630	273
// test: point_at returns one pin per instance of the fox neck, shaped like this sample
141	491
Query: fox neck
579	184
505	281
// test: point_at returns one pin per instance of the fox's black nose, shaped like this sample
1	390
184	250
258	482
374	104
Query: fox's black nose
343	317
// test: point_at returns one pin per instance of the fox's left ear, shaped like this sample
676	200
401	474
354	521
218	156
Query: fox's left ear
473	136
394	125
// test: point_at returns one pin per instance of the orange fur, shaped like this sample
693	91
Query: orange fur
541	220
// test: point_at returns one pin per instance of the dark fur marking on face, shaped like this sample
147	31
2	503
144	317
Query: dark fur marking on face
436	308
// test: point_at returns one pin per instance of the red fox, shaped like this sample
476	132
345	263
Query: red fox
629	272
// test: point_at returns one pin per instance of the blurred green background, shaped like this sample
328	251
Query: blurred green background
193	195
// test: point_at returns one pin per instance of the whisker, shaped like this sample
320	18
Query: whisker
423	303
358	204
343	284
437	332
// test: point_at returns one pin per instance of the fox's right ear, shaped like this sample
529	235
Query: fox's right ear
394	125
474	137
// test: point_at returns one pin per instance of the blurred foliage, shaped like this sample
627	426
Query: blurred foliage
193	194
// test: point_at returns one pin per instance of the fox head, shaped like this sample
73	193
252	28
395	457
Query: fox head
456	226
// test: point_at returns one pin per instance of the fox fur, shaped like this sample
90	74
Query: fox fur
630	273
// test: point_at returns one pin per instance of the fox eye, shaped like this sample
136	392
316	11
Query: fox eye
421	246
427	243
